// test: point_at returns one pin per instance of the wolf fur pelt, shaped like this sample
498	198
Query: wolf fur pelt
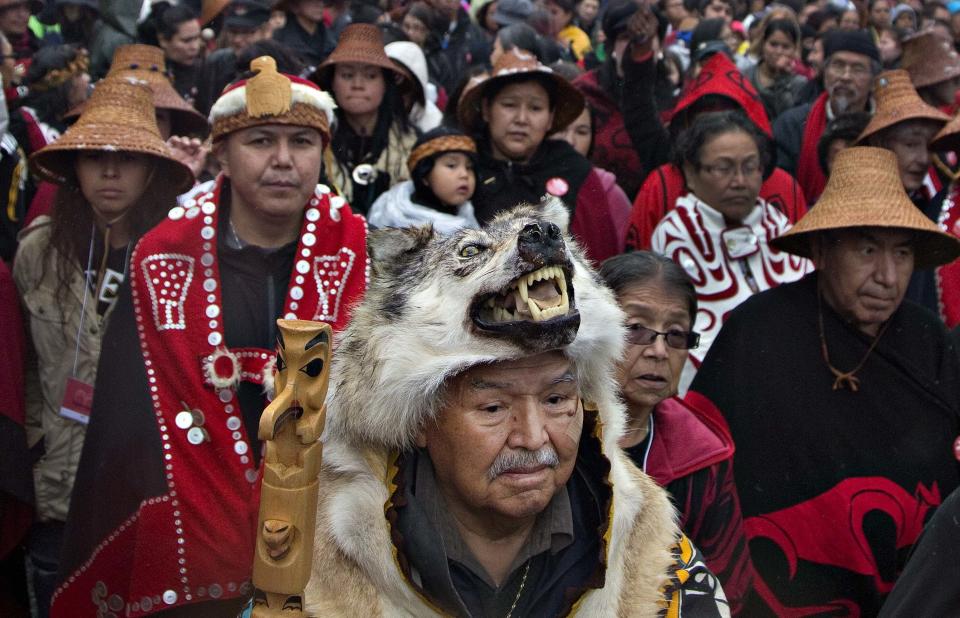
411	333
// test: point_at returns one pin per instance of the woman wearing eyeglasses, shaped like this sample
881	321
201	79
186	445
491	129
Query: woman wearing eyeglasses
719	233
684	446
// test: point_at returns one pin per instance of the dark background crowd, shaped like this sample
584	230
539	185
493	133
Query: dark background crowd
632	103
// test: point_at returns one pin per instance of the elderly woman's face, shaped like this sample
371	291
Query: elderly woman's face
519	117
648	374
729	174
507	439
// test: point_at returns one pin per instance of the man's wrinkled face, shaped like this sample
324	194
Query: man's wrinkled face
273	169
864	273
507	438
847	77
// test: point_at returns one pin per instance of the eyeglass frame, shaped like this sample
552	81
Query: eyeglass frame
692	337
714	169
854	69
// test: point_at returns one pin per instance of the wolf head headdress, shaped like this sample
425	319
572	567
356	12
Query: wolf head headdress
438	305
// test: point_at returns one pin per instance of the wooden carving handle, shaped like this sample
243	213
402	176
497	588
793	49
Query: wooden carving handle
290	427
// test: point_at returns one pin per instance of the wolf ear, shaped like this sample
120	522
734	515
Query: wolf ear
555	211
394	244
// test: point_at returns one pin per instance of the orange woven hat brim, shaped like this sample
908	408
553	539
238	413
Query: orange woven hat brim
358	44
119	118
568	101
929	59
948	138
897	101
147	63
865	190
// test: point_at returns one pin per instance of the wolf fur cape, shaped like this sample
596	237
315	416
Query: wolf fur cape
412	332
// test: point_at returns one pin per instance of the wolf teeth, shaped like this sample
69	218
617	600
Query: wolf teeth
522	286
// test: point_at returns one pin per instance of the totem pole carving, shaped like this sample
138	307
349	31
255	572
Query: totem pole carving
290	427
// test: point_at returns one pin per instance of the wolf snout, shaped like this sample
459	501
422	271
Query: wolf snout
538	243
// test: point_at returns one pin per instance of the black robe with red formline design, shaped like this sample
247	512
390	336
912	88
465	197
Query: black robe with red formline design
835	485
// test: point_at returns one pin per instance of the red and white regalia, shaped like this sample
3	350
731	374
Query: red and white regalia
194	540
948	275
727	263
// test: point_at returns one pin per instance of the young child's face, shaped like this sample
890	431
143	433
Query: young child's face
452	179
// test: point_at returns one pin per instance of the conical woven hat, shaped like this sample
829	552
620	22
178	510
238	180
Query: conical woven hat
929	59
517	65
897	101
119	117
359	43
948	138
146	63
864	190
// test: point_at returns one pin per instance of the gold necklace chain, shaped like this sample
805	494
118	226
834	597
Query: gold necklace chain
520	591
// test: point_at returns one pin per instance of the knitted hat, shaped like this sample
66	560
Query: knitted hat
271	98
246	14
119	117
897	101
929	59
360	44
509	12
864	190
146	63
616	18
856	41
899	10
519	66
437	141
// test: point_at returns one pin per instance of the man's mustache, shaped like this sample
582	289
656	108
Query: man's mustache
523	459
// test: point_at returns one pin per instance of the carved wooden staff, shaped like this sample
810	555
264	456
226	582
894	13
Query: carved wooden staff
291	426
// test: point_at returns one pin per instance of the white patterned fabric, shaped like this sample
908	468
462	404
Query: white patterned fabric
697	237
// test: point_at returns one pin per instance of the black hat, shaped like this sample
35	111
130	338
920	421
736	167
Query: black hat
855	41
616	18
246	14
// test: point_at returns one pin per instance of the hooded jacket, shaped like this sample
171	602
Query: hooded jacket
719	77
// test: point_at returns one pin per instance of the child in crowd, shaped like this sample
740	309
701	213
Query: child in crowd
441	185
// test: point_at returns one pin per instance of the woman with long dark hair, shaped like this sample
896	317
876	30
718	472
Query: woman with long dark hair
176	30
372	133
117	179
777	50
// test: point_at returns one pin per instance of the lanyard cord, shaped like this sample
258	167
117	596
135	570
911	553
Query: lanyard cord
86	292
646	451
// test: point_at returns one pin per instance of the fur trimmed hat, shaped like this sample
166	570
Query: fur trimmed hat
430	313
270	97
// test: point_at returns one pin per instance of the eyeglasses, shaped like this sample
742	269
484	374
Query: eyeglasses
839	67
726	170
677	339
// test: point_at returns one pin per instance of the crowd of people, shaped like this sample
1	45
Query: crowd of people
638	307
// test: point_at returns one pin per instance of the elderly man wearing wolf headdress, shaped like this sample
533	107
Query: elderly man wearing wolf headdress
471	464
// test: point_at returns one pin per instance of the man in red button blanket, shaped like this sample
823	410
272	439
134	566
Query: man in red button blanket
166	498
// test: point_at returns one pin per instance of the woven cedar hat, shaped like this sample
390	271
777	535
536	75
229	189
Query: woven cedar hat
270	97
119	117
146	63
361	44
897	101
929	59
518	66
864	190
445	141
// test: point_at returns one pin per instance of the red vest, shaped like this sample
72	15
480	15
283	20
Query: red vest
195	541
948	275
